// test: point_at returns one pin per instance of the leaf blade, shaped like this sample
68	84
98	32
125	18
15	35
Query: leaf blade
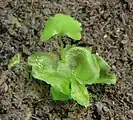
82	64
45	68
105	76
57	94
80	93
14	60
61	25
108	79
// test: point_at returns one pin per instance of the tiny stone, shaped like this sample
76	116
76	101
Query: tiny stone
1	44
118	30
97	54
5	88
124	41
105	109
113	102
131	111
105	36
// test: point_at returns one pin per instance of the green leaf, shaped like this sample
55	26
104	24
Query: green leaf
105	76
61	25
44	67
104	67
52	78
44	60
83	65
107	79
57	95
79	93
14	60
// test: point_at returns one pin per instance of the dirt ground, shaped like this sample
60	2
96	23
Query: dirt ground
107	27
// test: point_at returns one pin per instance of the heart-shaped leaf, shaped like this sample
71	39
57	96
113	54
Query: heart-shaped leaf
61	25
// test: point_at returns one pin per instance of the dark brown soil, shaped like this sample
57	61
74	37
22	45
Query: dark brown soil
108	28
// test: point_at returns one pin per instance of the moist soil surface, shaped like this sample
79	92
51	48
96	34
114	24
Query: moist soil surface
107	28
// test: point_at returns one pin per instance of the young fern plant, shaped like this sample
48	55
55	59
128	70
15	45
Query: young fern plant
77	67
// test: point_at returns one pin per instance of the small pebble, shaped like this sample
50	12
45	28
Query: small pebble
5	88
131	111
1	44
105	36
124	41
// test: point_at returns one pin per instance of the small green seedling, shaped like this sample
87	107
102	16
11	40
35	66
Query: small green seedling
14	60
61	25
69	74
75	67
